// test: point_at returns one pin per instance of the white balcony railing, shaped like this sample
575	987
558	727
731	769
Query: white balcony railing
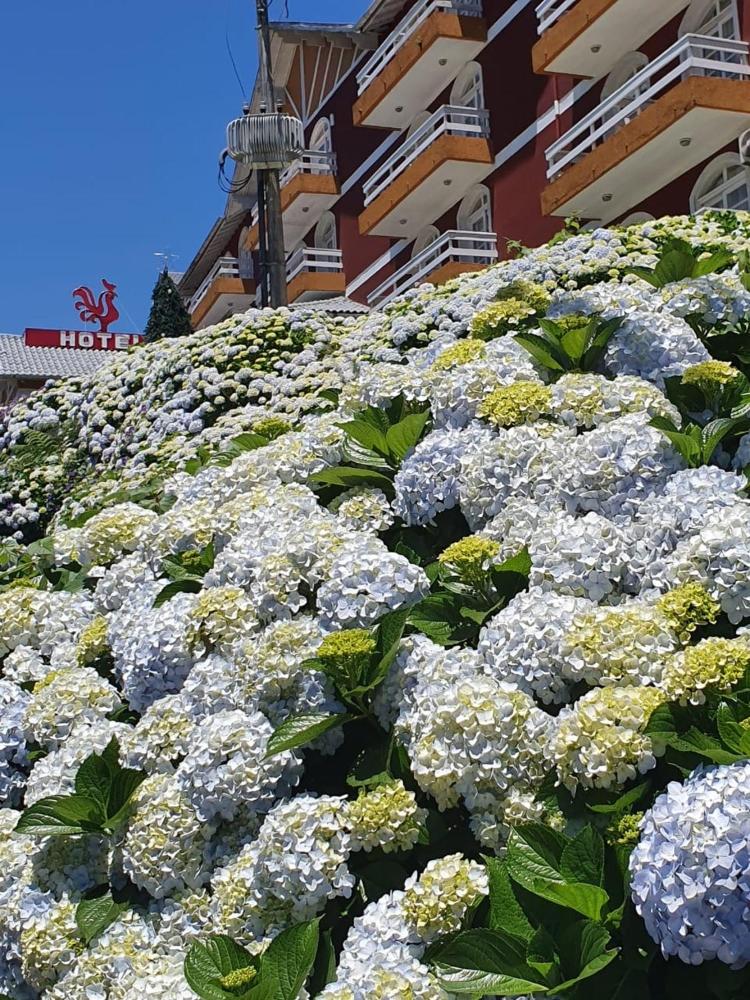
405	27
691	55
312	259
548	11
225	267
310	162
455	246
447	120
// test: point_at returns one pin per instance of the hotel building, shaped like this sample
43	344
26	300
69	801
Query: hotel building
439	130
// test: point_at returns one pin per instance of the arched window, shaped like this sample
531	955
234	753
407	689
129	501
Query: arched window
636	219
325	232
724	184
417	123
717	18
427	237
321	140
475	211
468	89
625	69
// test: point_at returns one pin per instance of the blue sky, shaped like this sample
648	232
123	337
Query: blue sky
112	118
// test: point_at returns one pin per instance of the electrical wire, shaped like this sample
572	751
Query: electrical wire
242	87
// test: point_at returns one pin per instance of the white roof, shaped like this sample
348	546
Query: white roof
17	360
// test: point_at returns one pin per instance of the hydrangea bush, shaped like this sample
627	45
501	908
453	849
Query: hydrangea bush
403	656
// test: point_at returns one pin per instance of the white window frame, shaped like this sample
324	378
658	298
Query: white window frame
703	17
468	87
321	140
713	186
476	206
326	225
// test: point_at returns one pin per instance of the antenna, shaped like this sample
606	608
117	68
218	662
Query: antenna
165	258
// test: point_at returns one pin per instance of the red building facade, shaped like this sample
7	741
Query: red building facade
440	130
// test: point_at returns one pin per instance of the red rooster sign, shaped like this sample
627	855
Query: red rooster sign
102	310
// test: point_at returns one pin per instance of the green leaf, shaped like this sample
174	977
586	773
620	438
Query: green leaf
541	953
583	945
125	781
248	442
574	342
540	350
287	962
371	438
209	961
405	435
185	585
710	265
372	765
298	730
440	617
714	433
94	780
486	961
324	970
61	815
623	802
532	864
582	859
350	476
94	916
698	742
506	913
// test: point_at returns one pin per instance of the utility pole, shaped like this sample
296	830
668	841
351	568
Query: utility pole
269	187
267	141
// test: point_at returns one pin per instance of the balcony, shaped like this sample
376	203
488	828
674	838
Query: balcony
586	38
451	254
222	292
313	273
308	189
418	60
429	172
678	111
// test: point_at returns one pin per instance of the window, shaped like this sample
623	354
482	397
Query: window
468	90
417	123
427	237
724	184
325	232
320	140
637	218
629	66
716	18
475	212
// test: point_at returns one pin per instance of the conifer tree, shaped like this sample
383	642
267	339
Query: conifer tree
168	316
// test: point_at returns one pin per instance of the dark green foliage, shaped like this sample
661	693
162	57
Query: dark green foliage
168	316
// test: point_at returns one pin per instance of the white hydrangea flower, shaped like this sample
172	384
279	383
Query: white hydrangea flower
162	847
226	772
522	643
599	742
286	875
363	510
64	699
690	873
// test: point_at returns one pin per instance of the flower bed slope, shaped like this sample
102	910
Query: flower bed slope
395	657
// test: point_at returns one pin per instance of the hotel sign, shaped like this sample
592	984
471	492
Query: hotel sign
81	339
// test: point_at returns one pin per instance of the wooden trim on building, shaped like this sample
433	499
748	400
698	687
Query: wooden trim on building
323	282
695	92
300	184
438	25
564	32
221	286
466	149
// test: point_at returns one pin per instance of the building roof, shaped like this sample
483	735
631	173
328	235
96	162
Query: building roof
339	304
211	249
19	361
